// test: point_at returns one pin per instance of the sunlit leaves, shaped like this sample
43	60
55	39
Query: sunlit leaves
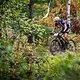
53	4
41	1
63	1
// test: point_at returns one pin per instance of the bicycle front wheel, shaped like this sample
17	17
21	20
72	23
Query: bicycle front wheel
71	45
54	47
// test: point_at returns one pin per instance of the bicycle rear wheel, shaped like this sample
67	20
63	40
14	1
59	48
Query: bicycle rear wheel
71	45
54	47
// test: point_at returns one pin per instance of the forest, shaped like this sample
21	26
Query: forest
26	49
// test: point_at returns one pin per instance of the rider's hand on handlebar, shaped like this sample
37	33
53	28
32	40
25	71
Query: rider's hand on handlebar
59	34
51	33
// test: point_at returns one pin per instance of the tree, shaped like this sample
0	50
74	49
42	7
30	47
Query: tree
31	4
68	10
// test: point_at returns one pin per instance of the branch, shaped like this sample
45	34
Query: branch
47	10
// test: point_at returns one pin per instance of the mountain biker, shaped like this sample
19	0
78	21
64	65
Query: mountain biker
65	26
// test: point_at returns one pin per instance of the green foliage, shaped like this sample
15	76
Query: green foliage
53	4
25	64
60	11
60	67
5	46
41	1
14	16
39	32
63	1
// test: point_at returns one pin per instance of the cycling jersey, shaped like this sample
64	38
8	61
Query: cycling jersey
63	23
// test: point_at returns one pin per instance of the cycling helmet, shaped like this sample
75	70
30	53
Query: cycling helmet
56	19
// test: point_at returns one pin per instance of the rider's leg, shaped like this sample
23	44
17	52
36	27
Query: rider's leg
66	36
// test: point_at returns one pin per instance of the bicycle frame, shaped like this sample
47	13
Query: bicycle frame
58	43
62	42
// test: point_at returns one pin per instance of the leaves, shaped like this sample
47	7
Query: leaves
20	60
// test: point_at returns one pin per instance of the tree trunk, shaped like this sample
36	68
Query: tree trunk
31	4
31	9
68	10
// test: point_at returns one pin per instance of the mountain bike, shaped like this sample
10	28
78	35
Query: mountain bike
59	44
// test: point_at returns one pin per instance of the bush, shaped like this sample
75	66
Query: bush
27	67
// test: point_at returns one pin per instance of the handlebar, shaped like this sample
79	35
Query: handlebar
55	34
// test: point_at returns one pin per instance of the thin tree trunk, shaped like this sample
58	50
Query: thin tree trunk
68	10
31	4
31	9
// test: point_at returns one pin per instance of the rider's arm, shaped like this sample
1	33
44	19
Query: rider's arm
65	27
54	29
